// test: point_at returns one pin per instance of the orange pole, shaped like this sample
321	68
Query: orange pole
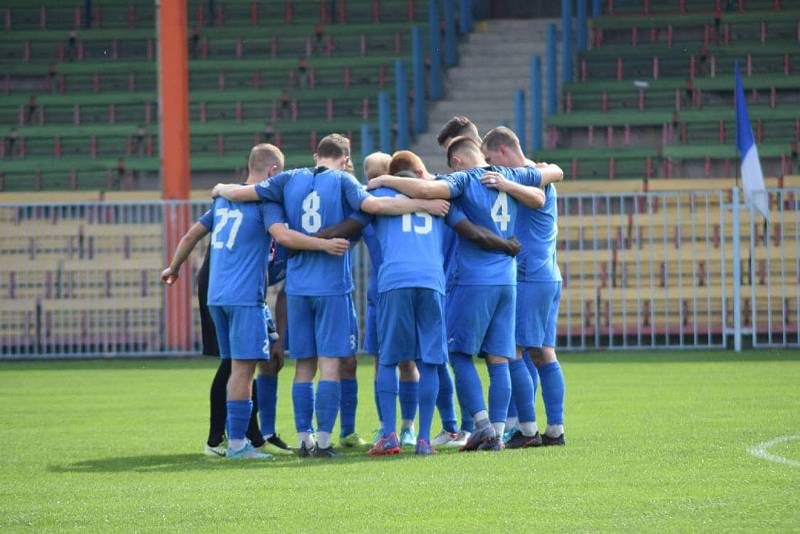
173	90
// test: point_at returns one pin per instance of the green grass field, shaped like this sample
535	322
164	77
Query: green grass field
655	441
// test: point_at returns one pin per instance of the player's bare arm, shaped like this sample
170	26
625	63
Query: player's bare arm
298	241
184	248
401	206
235	192
347	228
532	197
551	173
486	239
413	187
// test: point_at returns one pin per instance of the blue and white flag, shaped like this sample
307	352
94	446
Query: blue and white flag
755	193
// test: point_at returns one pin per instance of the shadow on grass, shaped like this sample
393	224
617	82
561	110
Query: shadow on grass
173	463
681	356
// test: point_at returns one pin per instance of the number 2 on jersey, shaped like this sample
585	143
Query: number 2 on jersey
225	215
311	221
500	213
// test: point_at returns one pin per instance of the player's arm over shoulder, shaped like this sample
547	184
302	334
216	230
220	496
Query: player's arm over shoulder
414	187
400	205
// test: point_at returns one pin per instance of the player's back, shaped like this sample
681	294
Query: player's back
411	249
313	199
537	231
239	252
491	209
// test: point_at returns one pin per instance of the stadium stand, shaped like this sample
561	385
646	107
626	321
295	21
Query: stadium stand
80	105
653	96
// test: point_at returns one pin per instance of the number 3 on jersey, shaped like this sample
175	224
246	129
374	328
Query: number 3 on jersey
225	215
311	221
500	213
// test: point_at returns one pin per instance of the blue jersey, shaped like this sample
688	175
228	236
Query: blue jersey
491	209
537	231
313	199
239	251
411	249
276	269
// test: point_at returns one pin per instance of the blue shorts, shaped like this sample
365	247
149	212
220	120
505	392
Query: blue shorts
480	319
322	326
537	313
371	335
412	326
241	331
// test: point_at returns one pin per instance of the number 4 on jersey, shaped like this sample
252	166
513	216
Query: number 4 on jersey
500	213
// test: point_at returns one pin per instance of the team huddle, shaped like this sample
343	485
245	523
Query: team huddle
463	265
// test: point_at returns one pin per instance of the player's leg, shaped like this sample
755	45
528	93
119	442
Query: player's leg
335	341
408	393
523	395
300	319
447	409
218	395
396	343
371	348
266	399
531	316
469	311
249	343
550	374
349	404
498	345
327	402
305	370
432	341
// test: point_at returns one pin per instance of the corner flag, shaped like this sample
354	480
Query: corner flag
755	193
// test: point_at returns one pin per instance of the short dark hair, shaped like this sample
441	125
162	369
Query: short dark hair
456	127
461	144
333	146
500	136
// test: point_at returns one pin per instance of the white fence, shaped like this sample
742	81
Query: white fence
641	270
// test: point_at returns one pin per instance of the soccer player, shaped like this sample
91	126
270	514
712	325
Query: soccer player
264	161
377	164
458	126
318	287
240	244
481	309
538	288
406	161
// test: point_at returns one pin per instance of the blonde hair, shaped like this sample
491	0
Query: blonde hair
263	157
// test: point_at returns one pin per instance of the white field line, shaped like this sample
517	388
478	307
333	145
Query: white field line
762	451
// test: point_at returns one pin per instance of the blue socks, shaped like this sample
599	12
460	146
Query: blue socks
327	404
267	398
428	392
348	407
444	400
512	407
532	370
409	399
522	391
377	400
303	401
387	395
553	389
238	418
468	384
499	391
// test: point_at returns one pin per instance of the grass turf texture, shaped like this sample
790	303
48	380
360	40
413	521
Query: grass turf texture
656	441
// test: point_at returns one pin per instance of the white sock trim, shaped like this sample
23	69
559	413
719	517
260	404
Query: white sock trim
529	429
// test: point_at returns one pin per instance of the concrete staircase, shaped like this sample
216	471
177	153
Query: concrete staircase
492	65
